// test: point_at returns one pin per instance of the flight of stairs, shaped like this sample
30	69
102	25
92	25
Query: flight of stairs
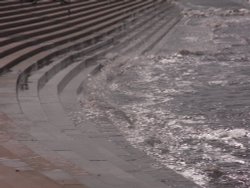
46	51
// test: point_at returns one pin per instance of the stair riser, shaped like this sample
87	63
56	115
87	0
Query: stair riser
47	19
24	14
50	46
85	17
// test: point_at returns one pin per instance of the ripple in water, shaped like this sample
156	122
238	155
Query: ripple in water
190	112
190	115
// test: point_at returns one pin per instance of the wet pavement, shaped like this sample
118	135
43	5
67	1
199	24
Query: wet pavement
186	104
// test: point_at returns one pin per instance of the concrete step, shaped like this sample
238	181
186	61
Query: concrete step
30	30
51	70
137	37
101	150
14	59
47	93
39	79
89	152
54	111
33	92
121	33
150	37
34	12
44	35
147	176
11	9
46	18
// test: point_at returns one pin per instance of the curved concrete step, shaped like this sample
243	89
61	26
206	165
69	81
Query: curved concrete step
34	12
80	150
150	37
103	152
68	26
21	55
41	76
142	36
50	25
112	156
52	102
10	79
134	25
32	22
11	7
107	164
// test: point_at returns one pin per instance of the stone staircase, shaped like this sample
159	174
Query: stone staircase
46	51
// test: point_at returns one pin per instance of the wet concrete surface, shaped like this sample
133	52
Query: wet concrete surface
186	104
